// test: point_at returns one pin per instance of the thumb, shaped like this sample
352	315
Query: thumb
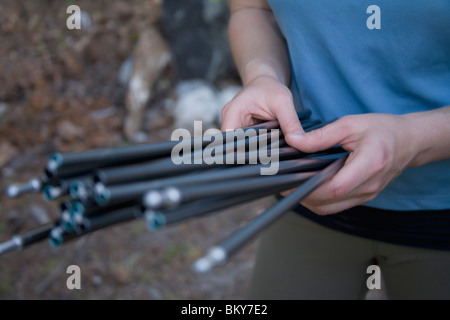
318	139
288	120
231	120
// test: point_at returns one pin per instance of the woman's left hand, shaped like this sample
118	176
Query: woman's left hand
381	146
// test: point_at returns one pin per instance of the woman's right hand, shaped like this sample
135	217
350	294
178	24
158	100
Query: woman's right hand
262	99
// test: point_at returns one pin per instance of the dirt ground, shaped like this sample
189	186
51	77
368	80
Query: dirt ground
59	91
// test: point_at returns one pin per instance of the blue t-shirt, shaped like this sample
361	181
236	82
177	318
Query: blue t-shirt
349	57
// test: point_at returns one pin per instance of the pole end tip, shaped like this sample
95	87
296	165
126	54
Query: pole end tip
202	265
10	245
215	256
12	191
153	199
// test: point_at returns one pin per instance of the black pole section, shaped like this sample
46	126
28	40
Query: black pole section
126	174
79	212
166	167
111	156
307	124
173	196
220	253
158	219
303	115
272	124
124	192
93	223
331	156
122	155
58	236
64	173
26	239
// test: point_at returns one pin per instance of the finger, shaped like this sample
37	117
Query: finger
347	183
232	119
320	139
337	206
287	116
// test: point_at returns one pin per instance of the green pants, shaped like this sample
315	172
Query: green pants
299	259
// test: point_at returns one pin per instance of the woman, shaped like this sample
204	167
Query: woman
383	71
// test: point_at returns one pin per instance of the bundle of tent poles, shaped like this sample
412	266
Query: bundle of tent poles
100	188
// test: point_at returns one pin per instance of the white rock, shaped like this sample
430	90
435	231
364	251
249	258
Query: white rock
39	214
197	101
140	137
151	55
67	130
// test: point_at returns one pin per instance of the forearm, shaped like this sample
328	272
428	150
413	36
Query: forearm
256	43
431	132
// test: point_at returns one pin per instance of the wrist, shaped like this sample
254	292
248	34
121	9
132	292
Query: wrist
416	138
262	68
429	133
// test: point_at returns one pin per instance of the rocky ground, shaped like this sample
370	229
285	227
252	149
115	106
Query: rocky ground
62	90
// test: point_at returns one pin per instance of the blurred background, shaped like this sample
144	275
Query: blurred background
134	72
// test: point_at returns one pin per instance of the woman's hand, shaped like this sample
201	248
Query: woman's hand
262	99
381	146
